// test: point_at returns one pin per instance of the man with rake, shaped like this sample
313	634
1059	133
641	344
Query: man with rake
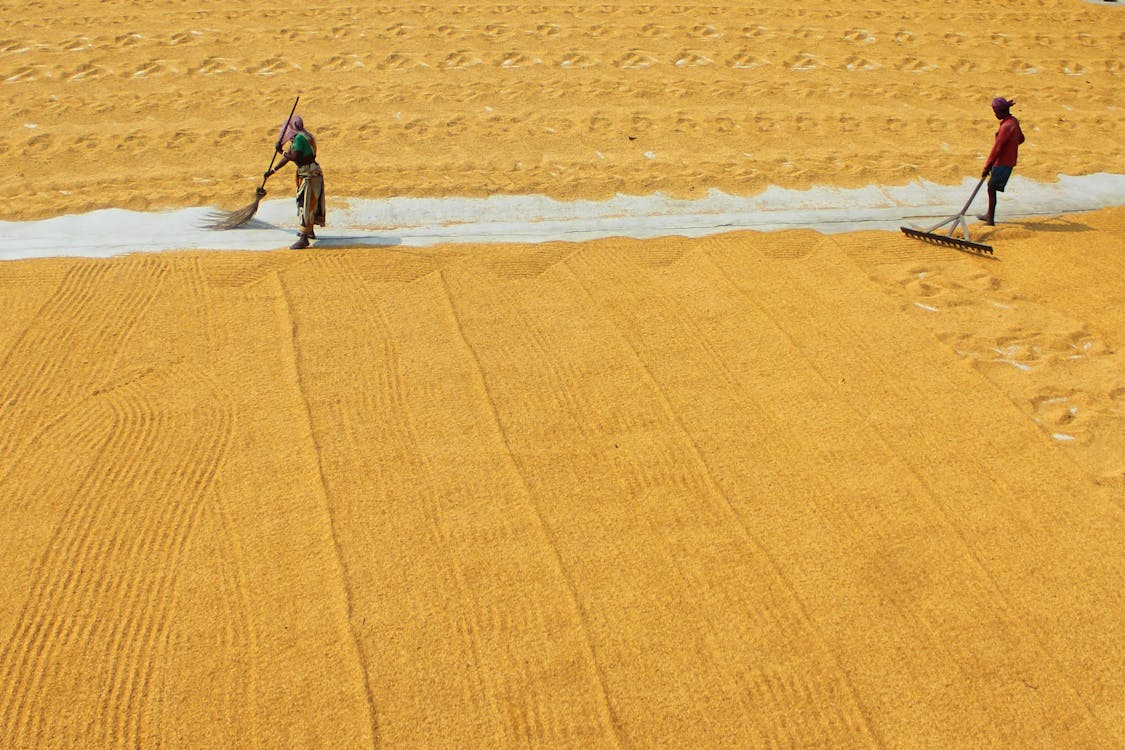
1002	158
310	179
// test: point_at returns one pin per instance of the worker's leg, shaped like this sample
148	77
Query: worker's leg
304	215
997	181
989	217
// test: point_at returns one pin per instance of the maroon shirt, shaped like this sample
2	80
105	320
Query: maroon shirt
1007	145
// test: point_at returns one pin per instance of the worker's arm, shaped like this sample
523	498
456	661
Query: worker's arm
285	159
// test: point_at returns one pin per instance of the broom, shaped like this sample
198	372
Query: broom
232	219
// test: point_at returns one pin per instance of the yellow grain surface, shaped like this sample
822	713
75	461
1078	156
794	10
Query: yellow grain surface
162	103
754	490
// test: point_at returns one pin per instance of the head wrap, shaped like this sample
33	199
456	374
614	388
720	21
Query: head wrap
292	127
1000	103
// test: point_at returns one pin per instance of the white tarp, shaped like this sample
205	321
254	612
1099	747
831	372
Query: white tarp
534	218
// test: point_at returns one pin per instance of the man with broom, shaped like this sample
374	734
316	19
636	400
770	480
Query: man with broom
296	144
1002	158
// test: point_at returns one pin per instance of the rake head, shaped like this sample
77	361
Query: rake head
948	241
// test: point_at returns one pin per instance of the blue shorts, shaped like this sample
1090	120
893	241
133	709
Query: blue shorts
998	178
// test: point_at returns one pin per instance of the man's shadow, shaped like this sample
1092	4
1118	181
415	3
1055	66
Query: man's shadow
1053	224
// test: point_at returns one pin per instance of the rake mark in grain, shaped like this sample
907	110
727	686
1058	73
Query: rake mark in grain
536	512
797	617
290	346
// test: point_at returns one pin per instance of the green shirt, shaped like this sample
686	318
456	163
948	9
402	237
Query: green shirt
303	150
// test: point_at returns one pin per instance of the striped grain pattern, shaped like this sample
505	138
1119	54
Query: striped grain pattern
747	491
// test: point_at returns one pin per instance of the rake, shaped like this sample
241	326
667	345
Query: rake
958	221
232	219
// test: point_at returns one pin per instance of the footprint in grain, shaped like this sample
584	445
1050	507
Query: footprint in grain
497	31
636	58
149	68
339	63
705	31
14	46
743	60
552	124
599	123
39	144
855	62
272	67
84	72
127	40
215	66
764	124
456	126
684	124
74	44
801	61
641	123
576	60
914	65
517	60
24	73
859	36
417	126
400	61
461	59
692	58
1062	413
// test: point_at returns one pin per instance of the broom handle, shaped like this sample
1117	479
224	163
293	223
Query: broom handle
287	121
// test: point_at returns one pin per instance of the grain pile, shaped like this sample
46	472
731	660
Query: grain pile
752	490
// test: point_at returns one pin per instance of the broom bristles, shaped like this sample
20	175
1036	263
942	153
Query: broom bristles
232	219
